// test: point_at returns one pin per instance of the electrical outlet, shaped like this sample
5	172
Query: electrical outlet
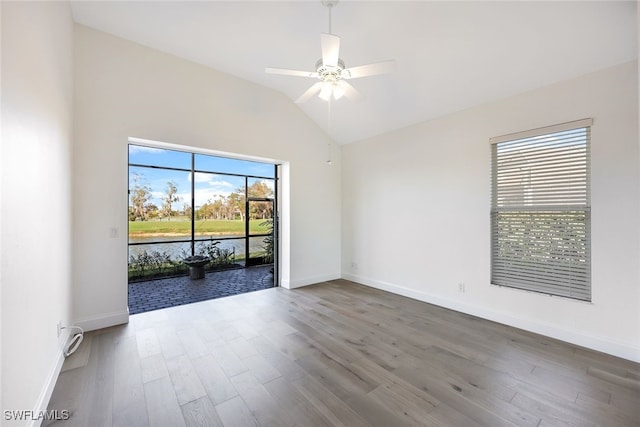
59	328
354	265
461	287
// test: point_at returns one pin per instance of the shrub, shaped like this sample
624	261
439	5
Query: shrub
153	264
268	241
218	257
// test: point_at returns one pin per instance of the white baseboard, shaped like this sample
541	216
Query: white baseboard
605	345
298	283
45	395
103	320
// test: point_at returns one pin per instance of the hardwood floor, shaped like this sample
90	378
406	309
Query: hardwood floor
337	354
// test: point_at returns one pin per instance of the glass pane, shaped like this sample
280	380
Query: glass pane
241	167
220	205
257	246
141	155
261	188
157	260
259	214
260	251
159	205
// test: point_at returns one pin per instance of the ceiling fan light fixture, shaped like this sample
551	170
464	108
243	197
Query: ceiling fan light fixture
337	92
326	91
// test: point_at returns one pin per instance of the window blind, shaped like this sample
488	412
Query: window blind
541	216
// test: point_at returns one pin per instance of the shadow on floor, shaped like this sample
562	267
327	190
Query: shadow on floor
170	292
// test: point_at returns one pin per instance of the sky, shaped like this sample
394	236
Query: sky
208	185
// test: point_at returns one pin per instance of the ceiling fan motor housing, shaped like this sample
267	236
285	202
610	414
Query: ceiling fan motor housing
329	73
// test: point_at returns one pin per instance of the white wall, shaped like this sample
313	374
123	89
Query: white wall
1	203
37	131
638	42
126	90
416	208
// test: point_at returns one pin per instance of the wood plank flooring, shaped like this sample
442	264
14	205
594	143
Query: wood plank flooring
337	354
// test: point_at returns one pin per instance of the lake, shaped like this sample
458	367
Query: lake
175	250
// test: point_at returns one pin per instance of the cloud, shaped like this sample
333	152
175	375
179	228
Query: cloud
221	184
207	194
200	177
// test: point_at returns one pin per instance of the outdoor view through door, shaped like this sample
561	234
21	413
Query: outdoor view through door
187	206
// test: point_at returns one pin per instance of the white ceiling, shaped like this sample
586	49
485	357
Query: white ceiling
450	55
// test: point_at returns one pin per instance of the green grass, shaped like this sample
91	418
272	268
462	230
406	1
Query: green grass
179	226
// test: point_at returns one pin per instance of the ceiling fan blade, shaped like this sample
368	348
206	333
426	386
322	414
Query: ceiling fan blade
286	72
349	91
330	49
309	93
383	67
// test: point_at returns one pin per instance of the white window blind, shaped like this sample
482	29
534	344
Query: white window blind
540	210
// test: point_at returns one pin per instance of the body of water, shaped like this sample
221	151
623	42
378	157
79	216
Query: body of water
175	250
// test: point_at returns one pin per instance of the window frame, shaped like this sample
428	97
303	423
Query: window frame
541	228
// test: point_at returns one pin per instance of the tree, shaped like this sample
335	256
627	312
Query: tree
236	204
170	197
260	209
140	195
205	211
217	208
187	210
260	189
151	211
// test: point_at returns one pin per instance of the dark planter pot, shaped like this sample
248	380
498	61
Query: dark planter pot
196	266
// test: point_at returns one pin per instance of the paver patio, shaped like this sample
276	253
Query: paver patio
170	292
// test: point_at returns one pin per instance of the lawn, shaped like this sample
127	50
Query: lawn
183	227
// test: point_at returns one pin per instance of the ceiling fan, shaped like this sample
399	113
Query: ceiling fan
331	71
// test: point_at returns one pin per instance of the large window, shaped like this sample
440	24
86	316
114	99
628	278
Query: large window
540	210
183	204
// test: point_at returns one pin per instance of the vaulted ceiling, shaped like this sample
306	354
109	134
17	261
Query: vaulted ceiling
450	55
